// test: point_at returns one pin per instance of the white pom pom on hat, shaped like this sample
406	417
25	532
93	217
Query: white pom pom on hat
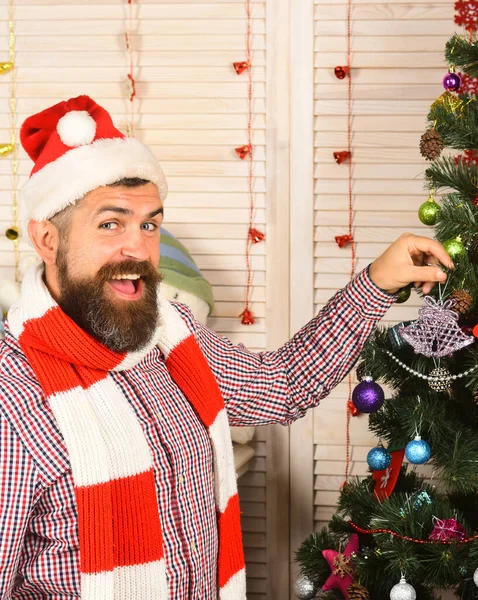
76	128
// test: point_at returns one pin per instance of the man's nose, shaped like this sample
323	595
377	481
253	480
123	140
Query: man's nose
135	245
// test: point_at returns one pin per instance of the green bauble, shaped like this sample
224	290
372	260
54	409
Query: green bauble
404	294
455	248
428	212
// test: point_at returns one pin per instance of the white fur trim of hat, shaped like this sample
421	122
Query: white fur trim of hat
85	168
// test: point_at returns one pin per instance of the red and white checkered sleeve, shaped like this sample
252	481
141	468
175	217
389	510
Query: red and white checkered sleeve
280	386
18	483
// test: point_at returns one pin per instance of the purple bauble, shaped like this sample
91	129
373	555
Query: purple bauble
368	396
452	82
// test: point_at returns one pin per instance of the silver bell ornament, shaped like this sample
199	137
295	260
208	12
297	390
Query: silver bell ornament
475	577
403	591
305	588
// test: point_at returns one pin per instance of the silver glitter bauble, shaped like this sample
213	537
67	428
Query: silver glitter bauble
441	381
475	577
304	588
403	591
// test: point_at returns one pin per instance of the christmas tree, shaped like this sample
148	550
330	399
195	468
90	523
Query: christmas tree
396	534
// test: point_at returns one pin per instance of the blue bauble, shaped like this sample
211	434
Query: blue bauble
379	458
368	396
418	451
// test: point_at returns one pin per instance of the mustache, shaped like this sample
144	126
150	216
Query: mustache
144	269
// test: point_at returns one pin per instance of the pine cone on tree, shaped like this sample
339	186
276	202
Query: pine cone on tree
463	301
431	144
355	591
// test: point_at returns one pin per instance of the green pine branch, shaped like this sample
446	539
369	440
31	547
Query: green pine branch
460	52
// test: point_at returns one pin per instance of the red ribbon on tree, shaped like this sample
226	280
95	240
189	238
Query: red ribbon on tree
353	410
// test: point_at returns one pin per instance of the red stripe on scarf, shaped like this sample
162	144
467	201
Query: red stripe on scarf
136	534
190	370
55	333
231	554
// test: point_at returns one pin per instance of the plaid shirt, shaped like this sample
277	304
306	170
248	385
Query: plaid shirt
39	545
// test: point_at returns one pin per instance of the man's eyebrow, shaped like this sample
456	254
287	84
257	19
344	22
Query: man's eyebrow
116	209
159	211
126	211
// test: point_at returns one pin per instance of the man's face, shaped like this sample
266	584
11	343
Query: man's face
106	267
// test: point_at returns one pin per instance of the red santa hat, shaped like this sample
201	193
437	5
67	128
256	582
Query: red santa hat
76	149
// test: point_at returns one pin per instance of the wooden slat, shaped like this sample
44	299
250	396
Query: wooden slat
116	58
145	43
388	11
83	27
117	11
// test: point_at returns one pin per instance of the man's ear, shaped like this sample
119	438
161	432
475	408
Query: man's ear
46	239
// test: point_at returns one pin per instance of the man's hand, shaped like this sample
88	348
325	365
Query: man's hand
406	260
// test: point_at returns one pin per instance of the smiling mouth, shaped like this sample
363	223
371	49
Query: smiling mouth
127	286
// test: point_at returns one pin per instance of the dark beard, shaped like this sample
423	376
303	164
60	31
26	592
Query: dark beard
121	325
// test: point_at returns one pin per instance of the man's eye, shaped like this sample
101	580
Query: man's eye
149	226
109	225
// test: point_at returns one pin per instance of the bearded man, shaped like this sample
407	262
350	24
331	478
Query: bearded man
116	470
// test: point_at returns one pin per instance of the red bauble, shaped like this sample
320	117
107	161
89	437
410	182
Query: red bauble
341	72
475	331
475	200
243	151
256	236
247	318
341	157
240	67
343	240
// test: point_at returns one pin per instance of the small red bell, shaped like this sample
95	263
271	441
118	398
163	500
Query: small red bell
343	240
341	157
243	151
341	72
247	318
354	411
240	67
256	236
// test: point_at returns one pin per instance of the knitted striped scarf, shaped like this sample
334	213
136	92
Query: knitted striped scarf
121	545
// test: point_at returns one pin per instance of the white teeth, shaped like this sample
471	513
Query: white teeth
126	276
